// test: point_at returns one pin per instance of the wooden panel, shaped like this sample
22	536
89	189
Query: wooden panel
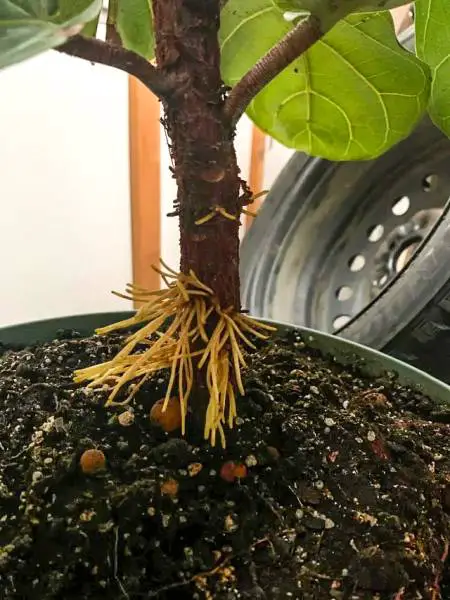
256	171
145	183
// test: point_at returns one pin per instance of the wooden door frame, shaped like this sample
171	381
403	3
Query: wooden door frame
145	183
256	177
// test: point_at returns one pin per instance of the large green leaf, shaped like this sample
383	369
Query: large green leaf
332	11
29	27
135	26
353	95
433	46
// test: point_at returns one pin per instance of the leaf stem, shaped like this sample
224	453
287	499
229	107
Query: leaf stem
293	45
109	54
111	20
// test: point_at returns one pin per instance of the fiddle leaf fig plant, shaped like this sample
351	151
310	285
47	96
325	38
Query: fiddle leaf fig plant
324	76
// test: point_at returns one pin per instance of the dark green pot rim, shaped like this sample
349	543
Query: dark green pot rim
371	362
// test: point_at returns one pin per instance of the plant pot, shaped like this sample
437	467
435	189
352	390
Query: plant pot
291	485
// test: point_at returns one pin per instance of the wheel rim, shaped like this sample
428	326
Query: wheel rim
319	289
349	232
380	247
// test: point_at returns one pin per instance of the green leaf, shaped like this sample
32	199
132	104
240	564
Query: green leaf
352	96
432	20
135	26
29	27
332	11
90	29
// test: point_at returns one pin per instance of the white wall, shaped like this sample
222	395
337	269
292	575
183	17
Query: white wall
65	234
64	188
276	156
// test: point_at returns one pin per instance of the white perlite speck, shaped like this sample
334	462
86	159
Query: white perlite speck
371	436
251	460
165	520
37	476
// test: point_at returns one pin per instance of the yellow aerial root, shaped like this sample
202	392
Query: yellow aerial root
198	334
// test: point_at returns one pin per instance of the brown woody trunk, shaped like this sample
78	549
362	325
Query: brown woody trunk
203	155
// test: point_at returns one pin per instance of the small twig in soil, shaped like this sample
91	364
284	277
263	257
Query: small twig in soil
170	586
116	563
215	569
312	573
292	46
445	553
292	490
436	588
111	55
264	540
205	574
20	454
193	579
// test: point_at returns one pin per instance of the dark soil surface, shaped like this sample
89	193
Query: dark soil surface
346	493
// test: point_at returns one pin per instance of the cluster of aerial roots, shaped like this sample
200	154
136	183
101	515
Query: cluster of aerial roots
182	329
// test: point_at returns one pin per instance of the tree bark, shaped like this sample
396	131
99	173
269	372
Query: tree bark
204	160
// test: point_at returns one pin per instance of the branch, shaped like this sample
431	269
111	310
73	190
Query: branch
111	55
293	45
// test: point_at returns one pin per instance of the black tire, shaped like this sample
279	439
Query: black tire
310	219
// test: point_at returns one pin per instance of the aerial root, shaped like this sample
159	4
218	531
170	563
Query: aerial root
182	329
